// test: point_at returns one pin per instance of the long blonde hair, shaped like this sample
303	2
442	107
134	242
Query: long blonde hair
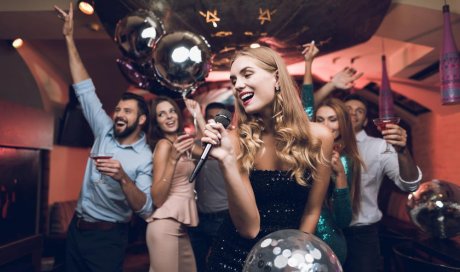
295	145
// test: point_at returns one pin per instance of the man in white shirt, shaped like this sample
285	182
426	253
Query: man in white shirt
362	235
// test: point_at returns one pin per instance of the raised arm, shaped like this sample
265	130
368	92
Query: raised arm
77	69
194	108
409	174
344	79
309	52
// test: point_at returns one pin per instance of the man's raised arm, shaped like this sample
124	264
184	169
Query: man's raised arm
77	69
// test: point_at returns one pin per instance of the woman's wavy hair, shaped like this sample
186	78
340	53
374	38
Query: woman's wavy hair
350	148
155	133
295	145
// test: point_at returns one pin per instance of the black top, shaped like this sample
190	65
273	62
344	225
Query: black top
281	203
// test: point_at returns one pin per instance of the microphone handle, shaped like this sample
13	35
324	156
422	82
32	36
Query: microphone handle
199	165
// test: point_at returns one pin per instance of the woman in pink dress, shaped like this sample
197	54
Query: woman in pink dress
173	195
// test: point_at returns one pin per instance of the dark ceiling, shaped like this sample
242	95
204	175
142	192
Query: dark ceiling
283	25
411	31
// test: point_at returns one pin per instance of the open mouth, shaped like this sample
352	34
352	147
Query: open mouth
246	97
120	123
170	123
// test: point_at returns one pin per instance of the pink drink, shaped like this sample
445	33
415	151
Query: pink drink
101	156
383	122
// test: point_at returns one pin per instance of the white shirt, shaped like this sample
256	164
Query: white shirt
377	166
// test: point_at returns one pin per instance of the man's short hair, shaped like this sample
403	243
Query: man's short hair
142	107
214	105
359	98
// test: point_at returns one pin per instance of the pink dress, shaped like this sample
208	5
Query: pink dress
181	203
167	238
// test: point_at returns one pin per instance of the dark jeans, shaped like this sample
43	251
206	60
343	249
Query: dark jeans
95	250
203	236
363	249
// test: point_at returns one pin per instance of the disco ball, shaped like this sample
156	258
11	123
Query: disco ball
137	33
182	60
291	250
435	208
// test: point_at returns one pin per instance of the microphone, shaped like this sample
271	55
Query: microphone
224	117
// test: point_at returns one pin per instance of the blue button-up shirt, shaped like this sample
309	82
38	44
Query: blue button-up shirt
104	200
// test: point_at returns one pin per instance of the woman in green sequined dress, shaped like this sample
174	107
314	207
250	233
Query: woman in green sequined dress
343	192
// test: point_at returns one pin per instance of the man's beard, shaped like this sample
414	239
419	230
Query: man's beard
127	131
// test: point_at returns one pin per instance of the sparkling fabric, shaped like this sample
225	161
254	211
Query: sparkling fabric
281	203
327	230
332	220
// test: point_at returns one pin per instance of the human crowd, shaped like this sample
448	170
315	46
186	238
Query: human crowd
292	159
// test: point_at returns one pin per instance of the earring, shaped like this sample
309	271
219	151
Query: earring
277	89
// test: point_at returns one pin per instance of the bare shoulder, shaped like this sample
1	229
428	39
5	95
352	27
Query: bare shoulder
320	131
162	146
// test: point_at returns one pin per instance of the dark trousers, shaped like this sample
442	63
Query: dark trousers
363	249
95	250
204	235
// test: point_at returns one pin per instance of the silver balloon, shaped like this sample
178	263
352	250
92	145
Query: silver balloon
291	250
137	33
435	208
182	60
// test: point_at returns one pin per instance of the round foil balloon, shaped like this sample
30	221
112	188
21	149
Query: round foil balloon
435	208
291	250
182	60
137	33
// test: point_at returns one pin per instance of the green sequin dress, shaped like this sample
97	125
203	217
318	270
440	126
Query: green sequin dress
336	212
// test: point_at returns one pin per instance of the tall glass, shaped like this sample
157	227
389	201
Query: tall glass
100	156
188	153
382	124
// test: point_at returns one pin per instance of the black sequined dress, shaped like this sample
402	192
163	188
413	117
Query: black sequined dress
281	203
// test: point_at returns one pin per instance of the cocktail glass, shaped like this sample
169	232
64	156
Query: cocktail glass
100	156
382	124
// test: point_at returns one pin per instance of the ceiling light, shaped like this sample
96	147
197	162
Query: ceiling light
86	6
17	43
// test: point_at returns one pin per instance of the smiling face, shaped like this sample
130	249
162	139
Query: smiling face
328	117
254	87
126	118
167	117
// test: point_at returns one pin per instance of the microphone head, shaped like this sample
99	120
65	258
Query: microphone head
224	117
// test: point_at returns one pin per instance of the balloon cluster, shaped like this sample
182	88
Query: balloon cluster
154	59
291	250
